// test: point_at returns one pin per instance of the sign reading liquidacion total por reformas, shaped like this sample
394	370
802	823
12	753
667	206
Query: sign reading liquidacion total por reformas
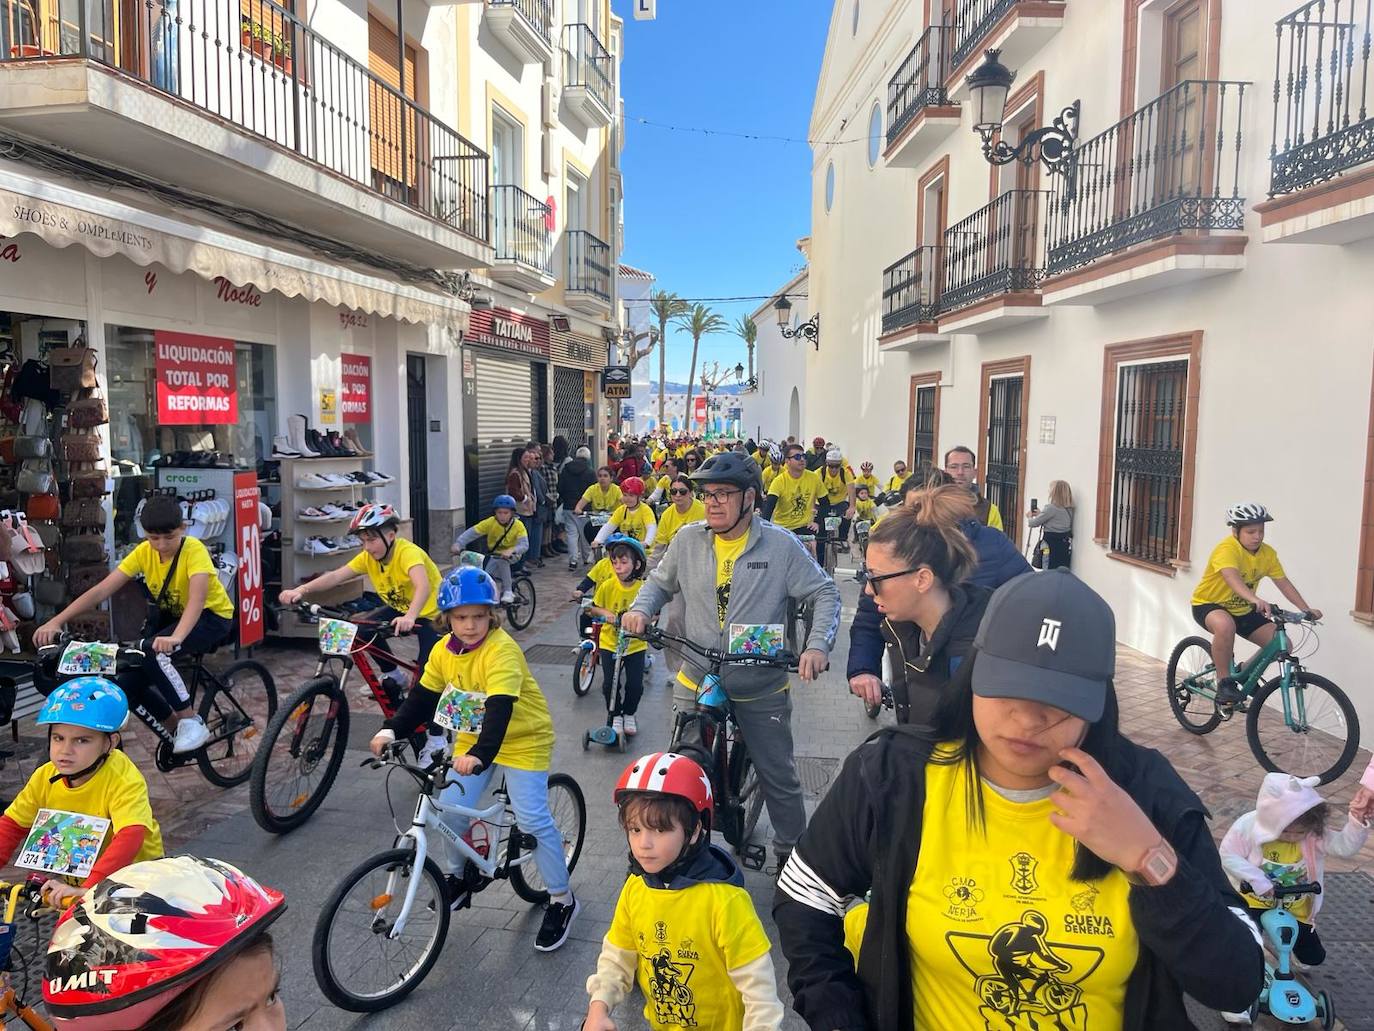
356	379
196	380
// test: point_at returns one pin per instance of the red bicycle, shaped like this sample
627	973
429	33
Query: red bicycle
304	744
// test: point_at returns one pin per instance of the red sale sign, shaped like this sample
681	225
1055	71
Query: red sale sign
246	533
356	397
699	409
196	380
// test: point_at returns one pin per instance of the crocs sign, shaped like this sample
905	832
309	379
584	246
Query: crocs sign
197	384
356	379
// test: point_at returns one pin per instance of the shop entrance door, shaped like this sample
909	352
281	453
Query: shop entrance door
417	433
1005	441
505	421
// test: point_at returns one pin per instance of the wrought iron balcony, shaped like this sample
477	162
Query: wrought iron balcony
911	289
919	82
587	66
973	23
521	241
1322	123
537	14
589	266
997	249
1171	166
256	66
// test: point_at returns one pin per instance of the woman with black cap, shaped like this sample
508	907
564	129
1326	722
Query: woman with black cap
1028	865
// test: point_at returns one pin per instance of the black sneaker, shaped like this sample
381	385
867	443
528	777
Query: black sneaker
780	857
553	932
1228	691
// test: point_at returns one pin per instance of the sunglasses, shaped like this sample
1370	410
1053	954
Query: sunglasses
679	491
796	458
877	580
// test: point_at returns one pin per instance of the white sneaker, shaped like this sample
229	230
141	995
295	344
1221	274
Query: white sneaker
312	481
631	727
618	725
433	748
318	546
507	597
1236	1018
191	733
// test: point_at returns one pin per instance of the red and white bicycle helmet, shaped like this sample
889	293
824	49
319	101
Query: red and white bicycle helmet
374	517
632	485
145	934
667	773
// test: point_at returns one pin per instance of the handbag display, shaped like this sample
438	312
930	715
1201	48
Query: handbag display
86	413
81	447
81	579
27	554
90	626
85	512
36	477
47	591
10	407
71	368
41	508
7	445
89	485
49	533
83	548
32	447
33	382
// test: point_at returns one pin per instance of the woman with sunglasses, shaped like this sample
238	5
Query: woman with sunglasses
685	507
1026	864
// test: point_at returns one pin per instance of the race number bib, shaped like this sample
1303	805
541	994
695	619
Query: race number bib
755	638
336	636
62	843
88	657
461	711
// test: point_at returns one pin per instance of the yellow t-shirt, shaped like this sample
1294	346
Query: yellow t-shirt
599	500
1231	554
870	481
672	521
999	934
496	534
688	941
617	597
995	517
866	510
600	571
895	482
392	581
634	523
1283	863
117	792
836	486
769	474
496	667
144	562
796	498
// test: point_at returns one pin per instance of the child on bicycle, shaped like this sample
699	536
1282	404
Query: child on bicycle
1284	841
631	518
506	542
480	668
87	775
613	596
684	924
1225	603
189	610
602	496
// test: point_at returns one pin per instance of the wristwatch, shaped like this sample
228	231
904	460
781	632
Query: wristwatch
1157	866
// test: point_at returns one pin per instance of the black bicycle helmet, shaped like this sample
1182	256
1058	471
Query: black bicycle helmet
733	468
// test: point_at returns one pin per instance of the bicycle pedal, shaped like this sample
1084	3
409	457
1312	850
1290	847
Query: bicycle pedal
752	857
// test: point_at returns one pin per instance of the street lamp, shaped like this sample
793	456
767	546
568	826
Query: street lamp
808	330
739	371
1051	145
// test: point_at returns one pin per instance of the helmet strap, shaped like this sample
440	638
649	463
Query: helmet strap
457	647
71	778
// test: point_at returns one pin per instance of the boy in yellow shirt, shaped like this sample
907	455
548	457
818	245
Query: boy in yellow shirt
193	612
614	595
505	539
90	797
478	685
684	925
632	517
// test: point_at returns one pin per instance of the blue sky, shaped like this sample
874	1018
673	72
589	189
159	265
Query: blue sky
718	216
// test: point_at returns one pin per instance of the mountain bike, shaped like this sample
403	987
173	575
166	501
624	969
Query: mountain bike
304	744
710	735
383	926
237	703
1298	722
13	960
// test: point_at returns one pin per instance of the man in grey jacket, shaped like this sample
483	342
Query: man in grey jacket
724	587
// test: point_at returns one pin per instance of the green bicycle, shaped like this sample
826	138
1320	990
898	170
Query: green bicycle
1297	722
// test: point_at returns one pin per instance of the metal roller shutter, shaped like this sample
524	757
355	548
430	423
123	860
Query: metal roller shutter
568	418
505	420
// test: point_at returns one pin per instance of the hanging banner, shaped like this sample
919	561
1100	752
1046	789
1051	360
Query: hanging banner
356	396
247	494
196	381
698	409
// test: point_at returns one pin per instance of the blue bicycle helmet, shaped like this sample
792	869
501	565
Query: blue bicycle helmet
641	558
503	501
91	702
467	585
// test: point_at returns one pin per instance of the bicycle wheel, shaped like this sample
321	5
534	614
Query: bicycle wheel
1322	737
584	671
569	811
358	967
1190	669
746	786
300	756
521	610
239	703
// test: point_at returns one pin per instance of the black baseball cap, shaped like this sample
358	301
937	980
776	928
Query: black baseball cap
1050	638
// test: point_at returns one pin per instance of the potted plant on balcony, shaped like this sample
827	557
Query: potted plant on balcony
256	37
281	52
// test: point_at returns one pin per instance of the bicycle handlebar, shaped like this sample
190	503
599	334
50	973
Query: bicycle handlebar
714	656
1283	891
430	778
1279	615
377	629
130	654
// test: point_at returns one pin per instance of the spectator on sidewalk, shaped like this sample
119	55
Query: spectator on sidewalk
961	463
520	486
573	481
549	471
540	486
1056	525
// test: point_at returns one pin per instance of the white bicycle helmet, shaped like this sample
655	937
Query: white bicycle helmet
374	517
1247	512
834	456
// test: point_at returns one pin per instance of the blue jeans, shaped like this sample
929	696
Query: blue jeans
534	528
529	797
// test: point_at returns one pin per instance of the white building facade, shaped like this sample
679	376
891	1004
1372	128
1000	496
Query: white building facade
776	407
1178	324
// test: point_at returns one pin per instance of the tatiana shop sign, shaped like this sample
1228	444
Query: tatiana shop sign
196	380
499	327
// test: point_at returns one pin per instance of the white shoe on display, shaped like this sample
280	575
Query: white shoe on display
312	481
295	430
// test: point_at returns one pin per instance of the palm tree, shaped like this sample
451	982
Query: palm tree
747	331
666	307
698	321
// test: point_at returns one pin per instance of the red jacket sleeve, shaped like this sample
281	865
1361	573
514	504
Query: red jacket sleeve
123	848
11	836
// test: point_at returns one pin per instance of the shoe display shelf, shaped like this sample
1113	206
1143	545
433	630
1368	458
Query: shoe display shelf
296	565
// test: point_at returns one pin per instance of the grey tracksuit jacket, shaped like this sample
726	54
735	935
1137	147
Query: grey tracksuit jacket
773	567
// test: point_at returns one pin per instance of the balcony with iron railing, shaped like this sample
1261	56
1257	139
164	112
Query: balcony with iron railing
1166	178
911	299
919	112
996	251
524	26
588	288
1323	126
522	243
1017	28
224	90
588	76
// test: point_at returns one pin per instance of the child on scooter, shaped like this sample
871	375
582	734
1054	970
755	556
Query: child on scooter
1284	841
614	595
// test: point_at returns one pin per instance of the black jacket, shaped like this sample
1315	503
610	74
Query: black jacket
574	480
866	836
921	669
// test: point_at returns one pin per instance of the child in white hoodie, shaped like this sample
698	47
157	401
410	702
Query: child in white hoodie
1285	841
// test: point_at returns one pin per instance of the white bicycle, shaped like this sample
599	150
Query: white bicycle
382	928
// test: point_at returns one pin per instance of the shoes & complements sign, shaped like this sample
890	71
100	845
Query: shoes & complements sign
197	384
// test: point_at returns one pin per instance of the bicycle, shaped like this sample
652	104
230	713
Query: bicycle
236	703
710	735
12	1004
588	659
596	520
1312	731
1283	995
384	892
312	725
520	610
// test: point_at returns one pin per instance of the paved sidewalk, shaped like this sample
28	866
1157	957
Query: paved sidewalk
489	974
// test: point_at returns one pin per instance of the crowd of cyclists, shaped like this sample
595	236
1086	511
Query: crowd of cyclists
1003	855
